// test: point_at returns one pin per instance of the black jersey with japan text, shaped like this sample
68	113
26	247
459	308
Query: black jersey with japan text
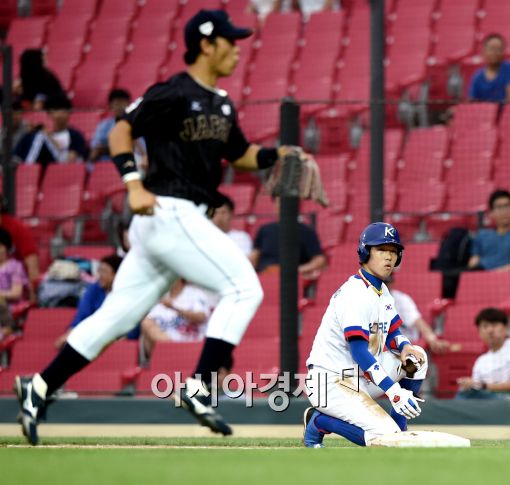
188	129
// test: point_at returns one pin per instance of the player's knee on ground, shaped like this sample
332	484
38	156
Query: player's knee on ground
383	428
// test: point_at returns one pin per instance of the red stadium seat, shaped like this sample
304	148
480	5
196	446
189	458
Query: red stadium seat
66	39
455	31
46	324
469	117
472	157
94	81
257	356
169	358
83	9
88	252
105	373
471	197
409	45
260	122
138	76
43	7
86	121
330	229
495	17
27	189
269	79
116	9
487	288
423	155
313	72
60	199
61	191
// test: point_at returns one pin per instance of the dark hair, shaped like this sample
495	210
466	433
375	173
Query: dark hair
31	61
58	101
113	260
498	194
492	315
5	238
493	35
228	202
119	94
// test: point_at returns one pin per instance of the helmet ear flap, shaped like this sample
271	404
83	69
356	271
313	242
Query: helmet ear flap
363	253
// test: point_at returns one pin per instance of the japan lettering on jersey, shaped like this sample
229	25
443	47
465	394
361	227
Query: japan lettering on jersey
357	309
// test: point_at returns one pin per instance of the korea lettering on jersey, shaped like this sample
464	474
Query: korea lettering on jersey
357	309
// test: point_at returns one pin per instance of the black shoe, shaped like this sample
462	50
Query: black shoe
194	399
32	407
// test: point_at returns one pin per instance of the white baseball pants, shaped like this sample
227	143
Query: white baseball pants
353	400
177	241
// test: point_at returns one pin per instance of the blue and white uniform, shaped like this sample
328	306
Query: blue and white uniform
344	379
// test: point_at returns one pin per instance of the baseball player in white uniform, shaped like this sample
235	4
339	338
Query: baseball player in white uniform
358	353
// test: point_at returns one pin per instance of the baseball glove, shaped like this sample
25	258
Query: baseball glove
297	174
411	366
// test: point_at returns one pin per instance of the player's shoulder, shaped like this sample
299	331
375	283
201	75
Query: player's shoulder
352	287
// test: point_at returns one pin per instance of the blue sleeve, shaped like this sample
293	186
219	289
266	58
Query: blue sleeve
476	246
87	306
473	86
361	355
396	344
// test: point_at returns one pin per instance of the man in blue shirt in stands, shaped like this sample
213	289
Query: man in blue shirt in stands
95	294
492	82
491	247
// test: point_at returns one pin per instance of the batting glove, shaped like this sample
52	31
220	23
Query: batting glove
404	402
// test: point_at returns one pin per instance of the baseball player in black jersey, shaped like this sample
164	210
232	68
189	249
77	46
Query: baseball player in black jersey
189	126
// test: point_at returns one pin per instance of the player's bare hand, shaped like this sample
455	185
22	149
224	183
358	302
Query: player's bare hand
141	201
410	350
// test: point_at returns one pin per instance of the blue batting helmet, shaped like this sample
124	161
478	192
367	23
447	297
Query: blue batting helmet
376	234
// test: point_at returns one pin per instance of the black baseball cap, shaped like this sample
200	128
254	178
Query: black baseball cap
209	24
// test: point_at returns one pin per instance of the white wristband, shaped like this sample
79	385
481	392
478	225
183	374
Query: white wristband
131	176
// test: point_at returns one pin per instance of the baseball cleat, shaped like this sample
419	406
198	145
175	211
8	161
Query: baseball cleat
312	437
32	404
196	399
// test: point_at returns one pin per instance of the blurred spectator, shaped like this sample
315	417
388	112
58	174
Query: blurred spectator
180	316
491	372
266	250
19	126
223	219
24	248
36	83
413	324
491	247
95	294
264	7
118	101
308	7
492	82
13	279
61	144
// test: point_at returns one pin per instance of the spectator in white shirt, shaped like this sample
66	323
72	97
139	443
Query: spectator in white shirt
414	325
491	373
223	219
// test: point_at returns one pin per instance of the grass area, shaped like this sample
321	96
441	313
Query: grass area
227	463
